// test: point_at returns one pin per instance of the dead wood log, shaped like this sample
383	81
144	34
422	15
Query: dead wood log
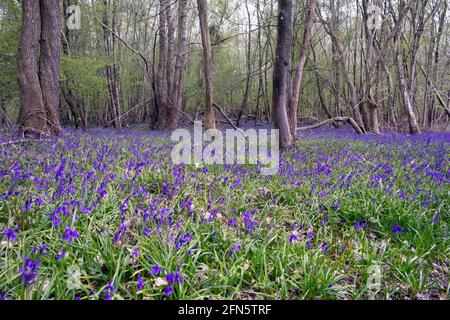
349	120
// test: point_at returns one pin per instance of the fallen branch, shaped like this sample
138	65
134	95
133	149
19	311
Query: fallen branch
351	121
435	90
228	119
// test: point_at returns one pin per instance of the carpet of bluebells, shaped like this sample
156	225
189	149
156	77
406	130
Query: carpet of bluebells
106	215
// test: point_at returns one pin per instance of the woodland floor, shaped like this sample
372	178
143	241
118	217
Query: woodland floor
106	215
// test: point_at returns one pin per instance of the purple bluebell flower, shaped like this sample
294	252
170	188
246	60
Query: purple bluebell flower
187	237
324	247
359	225
60	255
140	283
39	202
396	229
174	278
155	270
168	291
29	271
293	238
436	218
70	234
342	249
10	234
3	296
250	224
232	222
234	250
147	232
109	291
42	249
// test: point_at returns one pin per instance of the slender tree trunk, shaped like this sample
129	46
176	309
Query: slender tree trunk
332	32
180	66
434	76
3	120
373	125
111	71
281	74
405	93
160	85
301	66
210	121
244	106
170	68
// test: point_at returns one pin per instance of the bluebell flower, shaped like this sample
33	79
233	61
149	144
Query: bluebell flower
234	250
155	270
325	247
109	291
342	249
140	283
293	238
168	291
42	249
60	255
396	229
70	234
3	296
10	234
359	225
187	237
174	278
29	271
39	202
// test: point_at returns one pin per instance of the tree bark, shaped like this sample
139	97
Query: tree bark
39	83
332	32
373	125
405	92
180	66
161	101
210	121
301	65
281	73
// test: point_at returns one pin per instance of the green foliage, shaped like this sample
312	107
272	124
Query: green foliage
9	34
83	76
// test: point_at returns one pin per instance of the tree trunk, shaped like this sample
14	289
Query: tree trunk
50	61
330	28
180	65
210	121
281	73
161	101
39	84
301	66
405	93
373	125
112	72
